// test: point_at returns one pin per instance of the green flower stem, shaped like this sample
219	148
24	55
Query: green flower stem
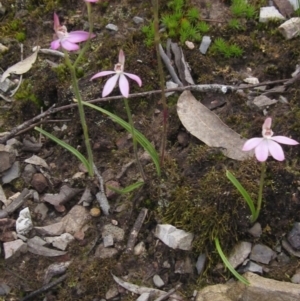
161	79
261	186
81	114
134	139
87	43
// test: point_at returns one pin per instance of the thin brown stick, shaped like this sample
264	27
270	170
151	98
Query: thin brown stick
45	288
199	88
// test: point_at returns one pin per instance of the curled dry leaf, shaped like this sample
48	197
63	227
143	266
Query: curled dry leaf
143	289
22	66
207	126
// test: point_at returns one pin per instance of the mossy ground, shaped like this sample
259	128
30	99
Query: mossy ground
193	192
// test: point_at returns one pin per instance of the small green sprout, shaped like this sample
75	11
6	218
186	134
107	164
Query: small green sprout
227	50
193	14
240	8
203	27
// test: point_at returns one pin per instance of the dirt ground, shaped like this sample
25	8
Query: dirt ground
192	192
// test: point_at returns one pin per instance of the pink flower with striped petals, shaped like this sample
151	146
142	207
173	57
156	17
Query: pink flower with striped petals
268	144
68	40
119	75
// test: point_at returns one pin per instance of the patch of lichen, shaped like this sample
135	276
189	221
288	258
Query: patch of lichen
87	278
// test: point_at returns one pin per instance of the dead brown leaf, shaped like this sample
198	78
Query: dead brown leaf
208	127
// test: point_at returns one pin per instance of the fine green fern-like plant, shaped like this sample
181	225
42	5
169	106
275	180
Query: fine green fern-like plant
227	50
235	24
193	14
176	5
240	8
203	27
148	30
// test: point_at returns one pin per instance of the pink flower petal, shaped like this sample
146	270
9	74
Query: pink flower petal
134	77
78	36
124	85
267	124
102	73
121	57
91	0
55	44
109	85
56	22
276	150
262	150
69	46
285	140
252	143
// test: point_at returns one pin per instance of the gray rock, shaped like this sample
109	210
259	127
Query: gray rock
200	263
112	27
52	230
3	214
28	172
296	279
269	13
103	253
14	248
289	248
112	292
37	241
158	282
37	249
255	230
77	217
4	289
7	157
12	173
263	101
116	232
294	236
41	211
60	242
283	258
173	237
24	222
261	253
35	160
108	241
7	84
143	297
290	28
251	266
239	253
260	288
205	43
139	249
137	20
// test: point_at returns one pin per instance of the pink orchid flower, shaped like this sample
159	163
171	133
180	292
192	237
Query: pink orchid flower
268	144
91	0
68	40
119	75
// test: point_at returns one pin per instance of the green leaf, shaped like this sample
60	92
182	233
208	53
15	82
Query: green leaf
242	191
68	147
126	189
142	140
228	265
